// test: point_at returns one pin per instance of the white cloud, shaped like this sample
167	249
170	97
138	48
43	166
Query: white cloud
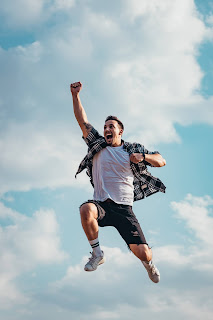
124	289
26	242
115	260
209	19
101	24
140	65
31	53
63	4
196	213
22	13
162	79
137	59
40	158
122	272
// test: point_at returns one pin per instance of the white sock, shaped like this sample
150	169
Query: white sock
147	262
96	247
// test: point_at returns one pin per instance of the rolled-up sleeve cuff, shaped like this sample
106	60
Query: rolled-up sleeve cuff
92	136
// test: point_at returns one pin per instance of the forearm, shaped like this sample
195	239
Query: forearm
80	115
155	159
79	111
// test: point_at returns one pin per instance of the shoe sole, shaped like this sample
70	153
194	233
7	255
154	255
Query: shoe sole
154	280
101	262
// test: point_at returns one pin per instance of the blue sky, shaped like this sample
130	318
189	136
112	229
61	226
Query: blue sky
150	63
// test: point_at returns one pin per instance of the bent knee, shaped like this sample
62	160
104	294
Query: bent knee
88	211
142	251
146	253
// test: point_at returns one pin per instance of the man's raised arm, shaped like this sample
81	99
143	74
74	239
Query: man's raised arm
79	111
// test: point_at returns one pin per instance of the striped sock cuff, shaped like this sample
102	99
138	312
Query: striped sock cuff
95	245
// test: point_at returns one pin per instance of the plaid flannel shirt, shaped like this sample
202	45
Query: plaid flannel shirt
144	183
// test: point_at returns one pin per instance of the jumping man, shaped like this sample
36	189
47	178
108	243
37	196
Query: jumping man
119	175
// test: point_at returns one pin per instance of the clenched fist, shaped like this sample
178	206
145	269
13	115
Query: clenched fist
136	157
75	87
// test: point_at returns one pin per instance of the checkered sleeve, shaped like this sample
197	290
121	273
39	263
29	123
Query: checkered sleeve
92	137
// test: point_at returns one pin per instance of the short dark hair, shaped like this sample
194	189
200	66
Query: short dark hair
116	119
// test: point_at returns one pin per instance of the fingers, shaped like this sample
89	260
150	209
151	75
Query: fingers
75	85
75	88
133	158
136	157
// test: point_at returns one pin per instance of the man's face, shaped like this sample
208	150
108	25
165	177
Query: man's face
112	132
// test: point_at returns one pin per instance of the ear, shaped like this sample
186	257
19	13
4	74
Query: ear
121	132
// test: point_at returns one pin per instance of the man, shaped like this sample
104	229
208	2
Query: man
118	173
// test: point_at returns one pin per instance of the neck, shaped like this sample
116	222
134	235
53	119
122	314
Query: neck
117	144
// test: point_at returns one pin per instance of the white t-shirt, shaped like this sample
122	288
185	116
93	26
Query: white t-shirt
112	176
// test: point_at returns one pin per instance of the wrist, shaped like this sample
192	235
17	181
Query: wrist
144	157
75	95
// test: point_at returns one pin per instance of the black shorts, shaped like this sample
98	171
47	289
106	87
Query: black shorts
122	218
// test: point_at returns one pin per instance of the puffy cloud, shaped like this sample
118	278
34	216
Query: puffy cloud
195	212
137	59
116	259
122	272
37	158
124	289
161	81
26	242
139	64
31	53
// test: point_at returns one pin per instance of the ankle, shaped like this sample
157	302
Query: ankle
96	247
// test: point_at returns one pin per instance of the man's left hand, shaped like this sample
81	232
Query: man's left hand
136	157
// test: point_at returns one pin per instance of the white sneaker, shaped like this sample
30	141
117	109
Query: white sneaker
94	262
153	272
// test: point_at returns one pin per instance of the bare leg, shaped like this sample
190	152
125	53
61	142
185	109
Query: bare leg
144	253
141	251
89	215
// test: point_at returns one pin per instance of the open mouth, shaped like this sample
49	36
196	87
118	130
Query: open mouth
109	136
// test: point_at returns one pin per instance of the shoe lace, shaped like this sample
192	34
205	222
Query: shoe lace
92	258
152	267
153	270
